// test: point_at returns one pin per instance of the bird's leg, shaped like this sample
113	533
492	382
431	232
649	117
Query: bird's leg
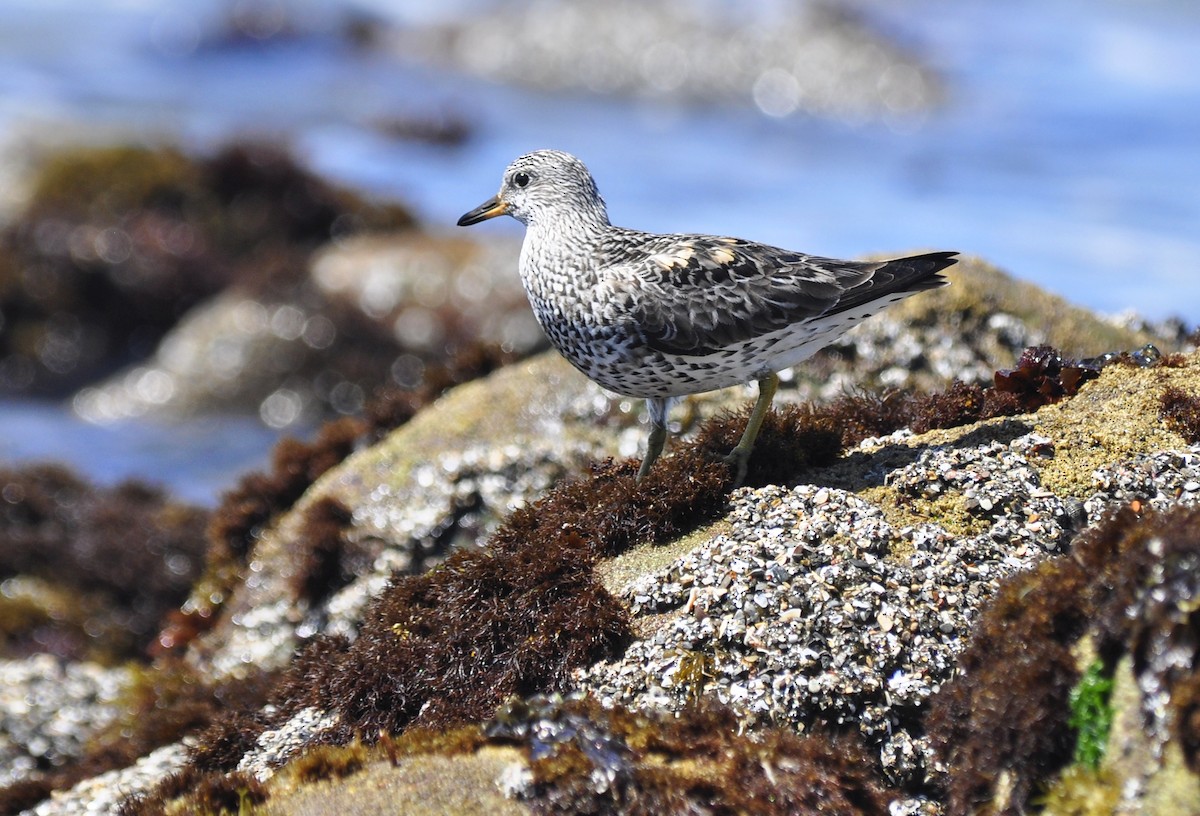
740	455
658	433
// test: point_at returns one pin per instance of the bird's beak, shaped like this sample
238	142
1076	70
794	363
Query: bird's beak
488	209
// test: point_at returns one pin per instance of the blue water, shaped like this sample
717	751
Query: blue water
197	460
1068	151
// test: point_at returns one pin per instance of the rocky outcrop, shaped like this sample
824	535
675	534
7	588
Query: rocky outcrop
895	619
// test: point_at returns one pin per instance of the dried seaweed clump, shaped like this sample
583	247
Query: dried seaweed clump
587	758
231	794
1181	411
1007	710
114	559
247	509
242	516
448	646
792	438
865	415
327	558
25	793
1043	376
1002	726
329	762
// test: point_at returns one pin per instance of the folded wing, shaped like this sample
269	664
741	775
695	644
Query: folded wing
701	294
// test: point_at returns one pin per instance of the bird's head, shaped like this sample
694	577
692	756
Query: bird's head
542	186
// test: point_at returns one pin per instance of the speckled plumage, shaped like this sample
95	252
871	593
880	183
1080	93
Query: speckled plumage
661	316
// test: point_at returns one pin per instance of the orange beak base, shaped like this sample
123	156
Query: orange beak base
488	209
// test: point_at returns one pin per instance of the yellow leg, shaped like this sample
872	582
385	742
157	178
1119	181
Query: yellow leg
740	455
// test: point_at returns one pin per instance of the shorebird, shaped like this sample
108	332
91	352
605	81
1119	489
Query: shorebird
661	316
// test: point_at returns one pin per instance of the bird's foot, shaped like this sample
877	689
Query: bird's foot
738	459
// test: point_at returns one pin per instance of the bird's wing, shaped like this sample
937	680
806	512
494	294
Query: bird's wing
698	294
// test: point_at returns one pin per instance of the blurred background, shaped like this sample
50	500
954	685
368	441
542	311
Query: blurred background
1057	139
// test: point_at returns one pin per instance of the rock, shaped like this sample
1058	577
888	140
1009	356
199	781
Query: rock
372	311
49	710
114	244
814	58
927	568
844	599
466	783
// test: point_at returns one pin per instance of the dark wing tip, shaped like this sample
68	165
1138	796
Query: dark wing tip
906	276
917	273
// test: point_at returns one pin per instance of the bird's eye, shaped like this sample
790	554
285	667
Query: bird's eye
521	179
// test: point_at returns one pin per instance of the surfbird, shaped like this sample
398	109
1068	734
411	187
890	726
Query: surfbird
661	316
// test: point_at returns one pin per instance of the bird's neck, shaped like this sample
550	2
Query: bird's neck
574	225
575	235
560	255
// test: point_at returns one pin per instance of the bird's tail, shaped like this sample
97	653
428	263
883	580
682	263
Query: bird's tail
897	279
916	273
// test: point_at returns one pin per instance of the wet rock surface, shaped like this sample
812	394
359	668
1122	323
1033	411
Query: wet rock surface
807	612
812	607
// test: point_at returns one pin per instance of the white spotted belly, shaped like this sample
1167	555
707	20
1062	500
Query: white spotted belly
628	368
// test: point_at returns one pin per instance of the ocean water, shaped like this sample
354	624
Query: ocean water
1067	151
196	460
